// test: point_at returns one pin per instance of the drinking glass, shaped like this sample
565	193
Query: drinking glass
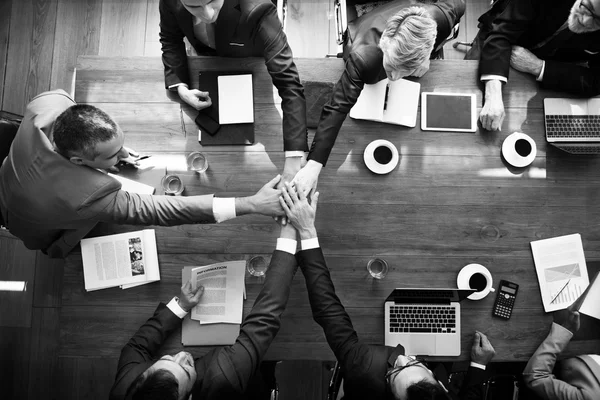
172	185
257	266
197	162
378	268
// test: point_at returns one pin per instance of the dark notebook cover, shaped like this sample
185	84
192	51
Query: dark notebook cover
228	133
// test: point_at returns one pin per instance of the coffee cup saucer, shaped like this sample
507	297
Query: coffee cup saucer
373	165
511	155
462	280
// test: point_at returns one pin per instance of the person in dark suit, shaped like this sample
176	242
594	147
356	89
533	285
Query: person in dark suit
235	28
556	41
54	187
369	371
578	378
223	373
394	40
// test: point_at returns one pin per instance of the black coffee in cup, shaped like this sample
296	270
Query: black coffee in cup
523	147
477	281
383	155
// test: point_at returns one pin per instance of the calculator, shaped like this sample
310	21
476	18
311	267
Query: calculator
505	299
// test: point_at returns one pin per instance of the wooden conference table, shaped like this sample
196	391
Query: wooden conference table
428	218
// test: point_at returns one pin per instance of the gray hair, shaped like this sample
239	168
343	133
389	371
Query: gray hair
408	38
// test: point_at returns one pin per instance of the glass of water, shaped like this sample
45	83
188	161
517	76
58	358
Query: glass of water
197	161
378	268
172	185
257	266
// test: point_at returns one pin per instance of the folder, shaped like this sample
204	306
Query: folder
194	334
226	133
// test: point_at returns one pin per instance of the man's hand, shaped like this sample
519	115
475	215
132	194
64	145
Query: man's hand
189	298
298	210
569	319
308	176
266	200
482	351
131	160
523	60
195	98
291	166
492	114
288	232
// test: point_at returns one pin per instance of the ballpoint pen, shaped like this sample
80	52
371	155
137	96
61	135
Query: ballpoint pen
560	291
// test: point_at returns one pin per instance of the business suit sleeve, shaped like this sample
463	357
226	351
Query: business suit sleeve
174	56
280	64
538	372
138	354
472	388
453	11
235	365
506	28
572	78
329	312
345	94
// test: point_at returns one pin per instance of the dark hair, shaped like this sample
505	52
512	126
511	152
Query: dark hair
426	390
156	385
80	127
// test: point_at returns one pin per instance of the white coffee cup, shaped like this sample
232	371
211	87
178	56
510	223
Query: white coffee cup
475	276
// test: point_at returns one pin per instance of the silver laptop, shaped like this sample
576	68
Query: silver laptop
425	321
573	125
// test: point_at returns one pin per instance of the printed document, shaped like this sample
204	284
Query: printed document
223	296
561	270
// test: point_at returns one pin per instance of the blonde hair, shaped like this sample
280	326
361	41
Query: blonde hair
408	38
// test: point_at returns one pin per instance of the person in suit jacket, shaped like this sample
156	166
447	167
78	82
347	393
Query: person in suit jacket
369	371
54	188
556	41
223	373
394	40
578	378
235	28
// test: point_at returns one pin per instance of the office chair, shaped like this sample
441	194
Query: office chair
9	125
348	11
335	382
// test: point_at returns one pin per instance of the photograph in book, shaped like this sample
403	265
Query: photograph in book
136	255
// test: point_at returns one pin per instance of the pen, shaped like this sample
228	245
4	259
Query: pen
387	91
143	158
560	291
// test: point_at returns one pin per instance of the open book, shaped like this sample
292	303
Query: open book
223	296
125	260
390	102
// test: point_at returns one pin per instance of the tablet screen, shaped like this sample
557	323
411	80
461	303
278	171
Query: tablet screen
448	112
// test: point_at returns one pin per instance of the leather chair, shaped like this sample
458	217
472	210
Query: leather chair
8	130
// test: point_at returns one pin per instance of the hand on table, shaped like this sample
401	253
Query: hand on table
492	114
194	97
482	351
523	60
308	176
299	211
266	200
189	298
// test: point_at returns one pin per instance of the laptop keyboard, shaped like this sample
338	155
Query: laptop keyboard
576	126
580	149
422	319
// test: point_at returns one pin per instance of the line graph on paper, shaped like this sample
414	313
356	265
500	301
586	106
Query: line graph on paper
556	277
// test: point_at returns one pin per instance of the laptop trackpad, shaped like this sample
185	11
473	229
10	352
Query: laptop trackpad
423	345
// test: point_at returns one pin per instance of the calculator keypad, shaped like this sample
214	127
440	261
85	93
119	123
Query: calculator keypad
504	305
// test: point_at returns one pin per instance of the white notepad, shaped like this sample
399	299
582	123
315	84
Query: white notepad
131	186
401	107
236	102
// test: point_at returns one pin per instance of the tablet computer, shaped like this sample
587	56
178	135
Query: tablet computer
454	112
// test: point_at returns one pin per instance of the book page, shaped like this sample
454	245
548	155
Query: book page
236	100
402	103
370	103
561	270
121	259
222	300
131	186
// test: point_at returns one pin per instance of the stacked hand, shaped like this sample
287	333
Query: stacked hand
189	298
290	169
482	351
266	200
194	97
492	113
299	211
308	176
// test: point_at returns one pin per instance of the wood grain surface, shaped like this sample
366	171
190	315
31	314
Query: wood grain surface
437	211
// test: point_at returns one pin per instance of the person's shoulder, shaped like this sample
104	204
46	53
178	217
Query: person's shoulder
366	62
255	9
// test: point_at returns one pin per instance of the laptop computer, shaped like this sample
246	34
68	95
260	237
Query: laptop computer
425	321
573	125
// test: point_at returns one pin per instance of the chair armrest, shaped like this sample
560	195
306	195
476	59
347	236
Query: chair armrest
341	20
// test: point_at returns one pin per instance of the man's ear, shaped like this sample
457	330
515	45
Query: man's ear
77	160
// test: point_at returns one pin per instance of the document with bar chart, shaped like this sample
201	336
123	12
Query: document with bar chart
561	270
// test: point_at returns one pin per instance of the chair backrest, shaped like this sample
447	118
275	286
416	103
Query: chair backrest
8	131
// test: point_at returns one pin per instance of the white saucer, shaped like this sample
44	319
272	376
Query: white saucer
511	155
462	280
373	165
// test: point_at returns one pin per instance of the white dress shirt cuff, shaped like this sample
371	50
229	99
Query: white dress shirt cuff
174	87
307	244
477	365
541	75
287	245
176	308
490	77
294	153
223	208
